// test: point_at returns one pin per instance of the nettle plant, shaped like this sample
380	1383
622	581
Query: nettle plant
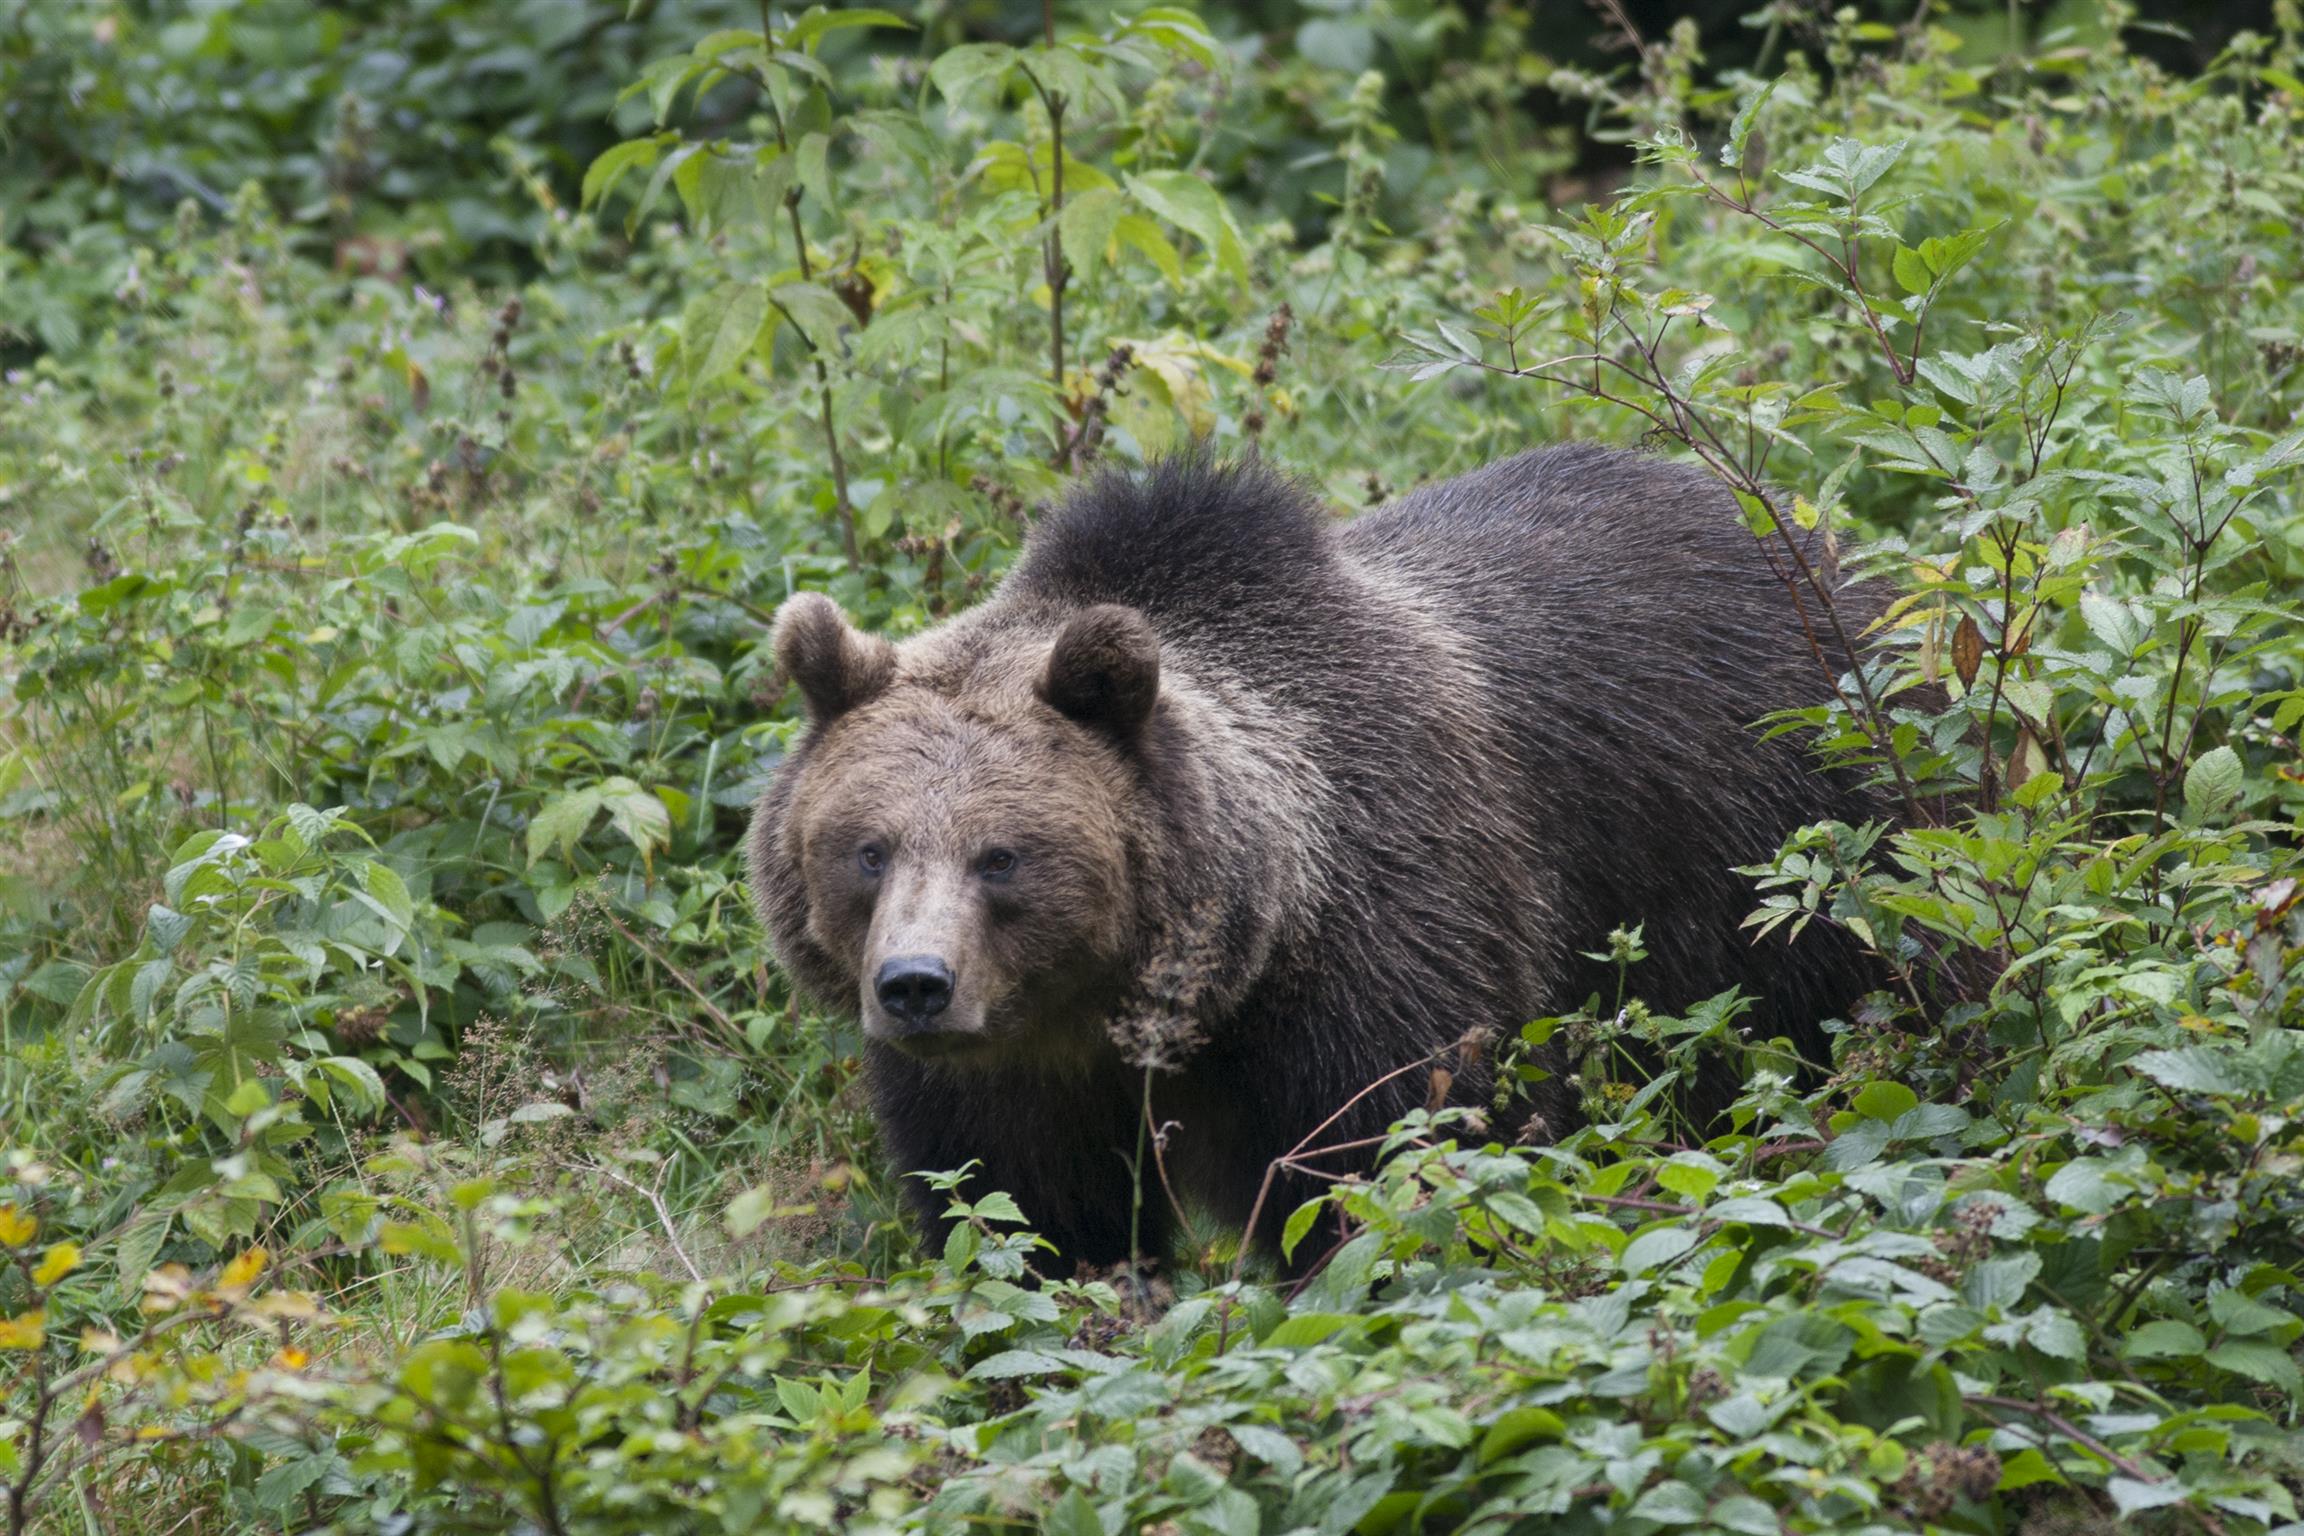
934	424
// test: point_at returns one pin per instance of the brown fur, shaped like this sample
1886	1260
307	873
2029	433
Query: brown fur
1218	789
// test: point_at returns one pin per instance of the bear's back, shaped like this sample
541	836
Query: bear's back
1188	539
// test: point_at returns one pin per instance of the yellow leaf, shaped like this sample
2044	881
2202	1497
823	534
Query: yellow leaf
17	1228
29	1331
286	1306
60	1260
242	1271
291	1358
166	1288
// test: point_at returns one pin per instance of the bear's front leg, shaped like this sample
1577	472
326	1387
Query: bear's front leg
1063	1144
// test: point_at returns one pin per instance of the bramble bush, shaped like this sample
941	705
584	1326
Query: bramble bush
405	1128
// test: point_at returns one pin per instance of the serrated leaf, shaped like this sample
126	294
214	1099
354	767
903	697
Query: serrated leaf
358	1079
283	1484
612	164
2134	1495
1649	1249
959	70
561	822
2267	1363
1011	1363
2212	782
1912	274
1087	227
2161	1339
1192	205
1072	1515
718	330
638	814
807	30
2197	1069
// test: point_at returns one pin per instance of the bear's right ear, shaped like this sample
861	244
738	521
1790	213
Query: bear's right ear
836	667
1104	669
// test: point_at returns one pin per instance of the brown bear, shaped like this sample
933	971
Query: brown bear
1268	804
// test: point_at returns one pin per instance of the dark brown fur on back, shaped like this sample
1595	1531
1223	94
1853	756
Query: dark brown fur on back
1289	803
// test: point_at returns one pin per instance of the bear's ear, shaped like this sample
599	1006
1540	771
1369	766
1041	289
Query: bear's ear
1104	669
836	667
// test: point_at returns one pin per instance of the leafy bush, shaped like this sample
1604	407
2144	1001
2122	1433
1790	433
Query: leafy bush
405	1128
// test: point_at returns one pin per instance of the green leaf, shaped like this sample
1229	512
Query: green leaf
2082	1185
139	1250
638	815
962	69
281	1485
561	822
2133	1495
1011	1363
809	29
2197	1069
1747	116
999	1206
1802	1344
1912	274
2240	1314
1087	227
1658	1246
2212	782
2055	1333
719	330
1143	236
390	893
359	1080
1179	32
1197	208
801	1402
1299	1222
1746	1515
2001	1282
2162	1339
1692	1174
812	165
2267	1363
610	166
1750	1211
1307	1329
1072	1515
816	311
1885	1101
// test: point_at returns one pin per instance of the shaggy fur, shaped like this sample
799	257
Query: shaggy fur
1291	803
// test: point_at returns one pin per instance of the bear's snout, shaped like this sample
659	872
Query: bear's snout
913	1001
914	989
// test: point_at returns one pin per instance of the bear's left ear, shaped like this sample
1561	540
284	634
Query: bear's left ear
1104	669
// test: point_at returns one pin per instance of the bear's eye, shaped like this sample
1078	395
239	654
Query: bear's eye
871	858
999	864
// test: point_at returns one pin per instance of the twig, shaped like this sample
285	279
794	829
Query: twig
663	1216
2081	1437
842	507
1272	1169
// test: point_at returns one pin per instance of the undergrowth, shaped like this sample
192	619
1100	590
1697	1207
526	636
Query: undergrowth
405	1128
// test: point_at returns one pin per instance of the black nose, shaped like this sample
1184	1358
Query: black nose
914	988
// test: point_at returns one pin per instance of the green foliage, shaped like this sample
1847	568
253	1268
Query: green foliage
405	1127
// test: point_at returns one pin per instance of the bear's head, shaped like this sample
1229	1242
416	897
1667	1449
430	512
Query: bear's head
953	850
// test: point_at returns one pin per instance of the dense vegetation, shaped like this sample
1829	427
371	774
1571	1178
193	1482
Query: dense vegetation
404	1127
